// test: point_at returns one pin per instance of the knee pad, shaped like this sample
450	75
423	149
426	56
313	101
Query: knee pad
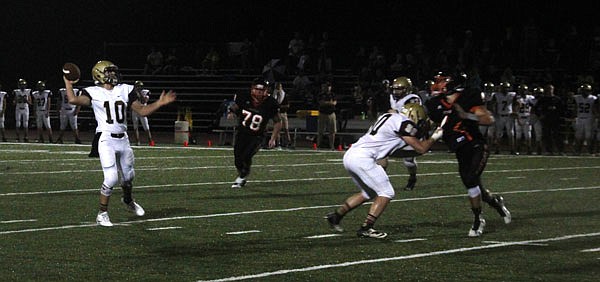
106	191
410	163
474	192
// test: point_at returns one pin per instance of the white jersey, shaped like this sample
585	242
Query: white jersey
64	102
279	95
384	136
504	103
110	106
408	99
41	100
525	106
21	97
145	93
2	101
584	106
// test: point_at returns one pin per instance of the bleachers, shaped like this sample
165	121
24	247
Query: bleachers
203	94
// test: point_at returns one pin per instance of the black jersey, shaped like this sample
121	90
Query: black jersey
252	119
457	131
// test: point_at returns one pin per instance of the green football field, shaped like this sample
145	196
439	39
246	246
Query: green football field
197	228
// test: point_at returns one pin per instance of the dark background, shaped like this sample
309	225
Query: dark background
39	36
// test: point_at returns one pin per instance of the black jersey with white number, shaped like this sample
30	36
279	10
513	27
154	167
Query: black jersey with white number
252	119
457	131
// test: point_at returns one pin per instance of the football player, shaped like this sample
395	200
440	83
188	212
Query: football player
253	111
584	121
534	119
2	109
489	131
143	97
42	102
22	100
68	115
463	111
524	104
402	95
391	131
504	100
110	100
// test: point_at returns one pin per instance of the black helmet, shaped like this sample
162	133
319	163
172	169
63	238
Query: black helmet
457	83
260	83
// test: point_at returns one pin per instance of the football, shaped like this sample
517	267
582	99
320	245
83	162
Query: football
71	71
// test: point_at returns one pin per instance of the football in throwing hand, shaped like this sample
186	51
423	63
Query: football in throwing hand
71	71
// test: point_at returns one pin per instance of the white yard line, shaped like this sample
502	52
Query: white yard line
18	220
281	210
406	257
164	228
243	232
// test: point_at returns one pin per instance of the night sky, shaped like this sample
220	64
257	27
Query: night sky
39	36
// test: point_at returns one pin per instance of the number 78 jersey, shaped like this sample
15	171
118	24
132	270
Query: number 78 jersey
110	106
385	135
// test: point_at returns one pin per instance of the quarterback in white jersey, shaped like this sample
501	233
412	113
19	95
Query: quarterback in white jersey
42	102
504	101
68	116
22	100
400	96
2	110
584	121
391	131
110	101
143	97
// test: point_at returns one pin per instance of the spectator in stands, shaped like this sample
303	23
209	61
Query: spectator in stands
260	50
325	53
327	119
360	59
211	61
302	88
295	50
284	105
154	61
171	62
245	55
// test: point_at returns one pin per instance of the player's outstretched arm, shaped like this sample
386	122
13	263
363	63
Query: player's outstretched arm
165	99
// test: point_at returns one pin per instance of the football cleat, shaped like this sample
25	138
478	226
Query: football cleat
502	210
239	183
334	222
477	228
370	233
102	219
134	208
411	184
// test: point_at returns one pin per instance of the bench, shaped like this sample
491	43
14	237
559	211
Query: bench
297	126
